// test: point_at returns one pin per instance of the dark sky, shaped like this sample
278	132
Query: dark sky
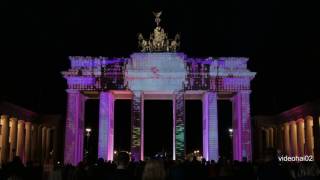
281	40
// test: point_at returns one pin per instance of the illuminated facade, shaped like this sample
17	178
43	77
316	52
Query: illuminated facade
158	73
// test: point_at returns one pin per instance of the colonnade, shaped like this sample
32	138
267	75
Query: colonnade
293	138
73	150
29	141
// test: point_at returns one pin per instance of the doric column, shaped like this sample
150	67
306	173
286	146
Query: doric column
39	144
20	140
34	142
74	131
293	138
13	137
210	126
241	126
267	138
55	144
48	143
271	138
27	146
309	135
106	126
286	135
43	143
4	138
137	126
316	135
301	138
260	141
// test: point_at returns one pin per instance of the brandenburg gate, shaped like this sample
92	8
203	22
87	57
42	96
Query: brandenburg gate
158	72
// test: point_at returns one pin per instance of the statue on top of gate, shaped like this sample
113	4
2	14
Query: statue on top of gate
158	41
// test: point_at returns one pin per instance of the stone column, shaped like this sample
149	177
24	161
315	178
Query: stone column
180	152
48	144
286	136
267	138
174	127
271	138
260	142
316	134
309	135
301	138
43	144
13	137
74	131
4	138
106	126
210	126
39	144
137	125
242	126
55	144
34	142
20	140
293	138
27	146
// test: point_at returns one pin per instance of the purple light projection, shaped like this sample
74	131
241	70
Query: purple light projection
241	126
210	126
158	72
106	126
73	152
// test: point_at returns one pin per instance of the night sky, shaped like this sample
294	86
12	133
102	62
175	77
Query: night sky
281	40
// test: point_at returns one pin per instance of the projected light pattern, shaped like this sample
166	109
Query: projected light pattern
241	126
210	126
73	152
136	137
106	126
179	125
165	72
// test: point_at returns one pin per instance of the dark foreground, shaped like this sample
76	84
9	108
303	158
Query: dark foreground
162	170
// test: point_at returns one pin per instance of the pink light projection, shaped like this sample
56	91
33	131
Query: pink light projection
242	126
164	72
106	126
73	152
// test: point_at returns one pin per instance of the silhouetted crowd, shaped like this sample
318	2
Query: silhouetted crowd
155	169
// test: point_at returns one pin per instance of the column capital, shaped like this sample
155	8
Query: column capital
20	121
286	124
13	119
309	117
4	116
292	123
300	120
27	123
